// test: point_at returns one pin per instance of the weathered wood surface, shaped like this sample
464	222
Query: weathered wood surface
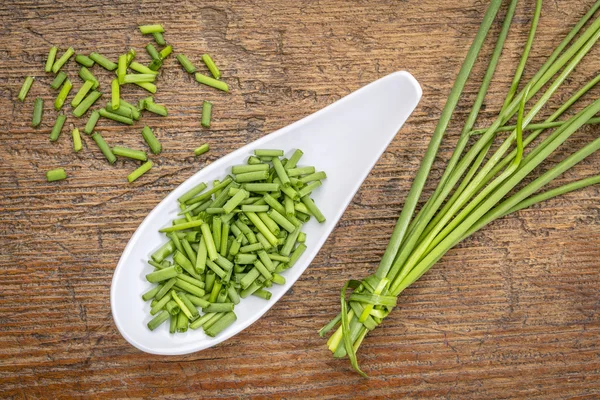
511	312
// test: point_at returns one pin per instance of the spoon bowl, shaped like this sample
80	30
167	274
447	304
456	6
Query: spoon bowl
344	139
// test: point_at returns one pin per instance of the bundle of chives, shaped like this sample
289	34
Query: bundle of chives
226	250
472	192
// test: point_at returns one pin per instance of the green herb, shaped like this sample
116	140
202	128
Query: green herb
84	60
25	88
86	75
58	80
152	52
115	117
104	148
76	140
58	125
145	167
151	140
142	69
103	61
57	174
185	63
51	58
91	123
38	111
115	95
158	38
139	78
155	108
86	103
206	80
211	66
201	150
164	53
62	60
206	113
81	93
147	85
129	153
150	29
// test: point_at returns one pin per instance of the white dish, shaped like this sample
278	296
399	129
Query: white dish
345	139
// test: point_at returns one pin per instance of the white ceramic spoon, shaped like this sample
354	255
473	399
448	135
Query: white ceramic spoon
345	139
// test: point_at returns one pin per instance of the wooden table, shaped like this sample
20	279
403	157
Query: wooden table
511	312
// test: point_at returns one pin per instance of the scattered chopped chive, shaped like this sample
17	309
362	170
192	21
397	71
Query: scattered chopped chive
129	57
57	174
186	64
293	161
192	192
281	172
201	150
129	153
58	125
251	176
84	60
207	80
296	254
103	61
115	94
155	64
81	93
151	140
164	274
142	69
76	140
262	187
151	87
63	60
158	320
25	88
149	29
305	191
121	69
313	209
317	176
51	58
115	117
155	108
164	53
300	171
268	153
58	80
126	109
240	169
158	38
86	103
86	75
91	123
145	167
104	148
206	113
254	208
263	294
152	52
138	78
122	111
254	160
62	95
38	111
211	66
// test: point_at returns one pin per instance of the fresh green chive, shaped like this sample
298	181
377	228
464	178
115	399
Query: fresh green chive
76	140
84	60
139	78
151	140
293	161
186	64
130	153
151	87
58	80
158	320
115	94
104	148
201	150
300	171
62	95
81	93
206	113
91	123
86	75
38	111
130	56
86	103
25	88
103	61
261	187
164	53
51	58
155	108
142	69
158	38
152	52
57	174
313	209
211	66
307	190
206	80
268	153
155	64
58	125
145	167
317	176
115	117
121	69
150	29
63	60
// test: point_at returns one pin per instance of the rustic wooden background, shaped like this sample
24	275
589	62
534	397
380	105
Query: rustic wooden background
512	312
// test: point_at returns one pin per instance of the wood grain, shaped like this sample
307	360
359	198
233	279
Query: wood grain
513	312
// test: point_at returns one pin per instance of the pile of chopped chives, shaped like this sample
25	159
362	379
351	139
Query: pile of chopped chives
232	241
127	71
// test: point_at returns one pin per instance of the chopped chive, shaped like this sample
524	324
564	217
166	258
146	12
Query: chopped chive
160	304
268	153
173	308
313	177
209	242
251	176
305	191
216	232
63	60
158	320
138	78
84	60
281	172
155	108
254	160
76	140
125	109
261	187
51	58
149	29
86	75
155	64
164	53
91	123
151	140
313	209
211	66
121	69
291	163
38	111
192	192
201	150
158	38
142	69
62	95
262	228
58	125
129	153
186	64
81	93
300	171
150	294
281	220
164	274
296	254
115	94
58	80
240	169
254	208
57	174
129	57
115	117
263	294
206	113
152	52
235	200
25	88
104	148
151	87
86	103
301	237
145	167
103	61
207	80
